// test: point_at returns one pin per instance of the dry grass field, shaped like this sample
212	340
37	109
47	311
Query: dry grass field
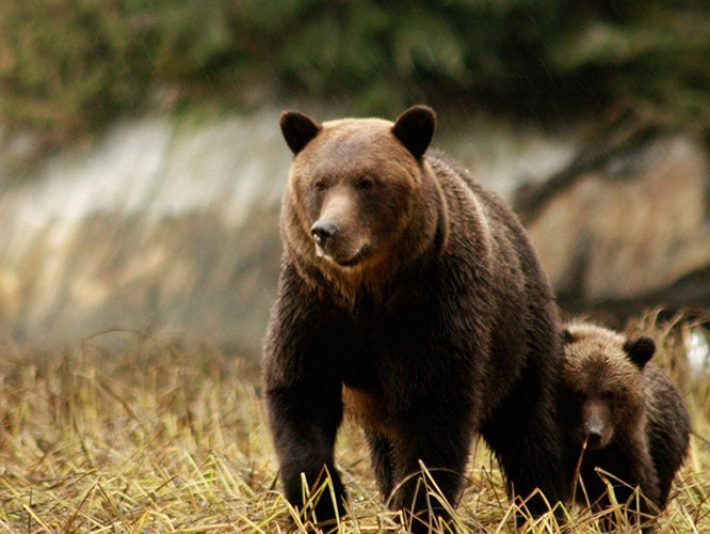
169	438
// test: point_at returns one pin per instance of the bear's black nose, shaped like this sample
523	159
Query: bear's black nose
594	437
323	231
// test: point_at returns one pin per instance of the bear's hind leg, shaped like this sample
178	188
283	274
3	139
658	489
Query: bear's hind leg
381	459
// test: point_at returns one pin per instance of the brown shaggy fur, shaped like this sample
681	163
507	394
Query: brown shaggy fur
410	298
629	412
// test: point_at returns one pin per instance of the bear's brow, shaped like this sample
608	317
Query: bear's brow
332	174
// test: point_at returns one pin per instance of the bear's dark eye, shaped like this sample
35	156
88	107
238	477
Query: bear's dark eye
366	183
608	395
577	395
319	186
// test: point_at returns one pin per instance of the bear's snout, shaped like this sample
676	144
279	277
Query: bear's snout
339	236
596	415
593	432
323	232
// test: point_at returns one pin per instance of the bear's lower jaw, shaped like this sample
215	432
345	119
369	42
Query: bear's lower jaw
594	446
596	443
348	261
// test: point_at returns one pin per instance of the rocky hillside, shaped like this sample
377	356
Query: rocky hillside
627	228
169	225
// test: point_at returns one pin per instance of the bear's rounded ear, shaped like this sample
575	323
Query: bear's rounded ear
415	129
568	337
640	349
298	129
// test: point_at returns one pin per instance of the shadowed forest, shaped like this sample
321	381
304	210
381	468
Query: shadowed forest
69	67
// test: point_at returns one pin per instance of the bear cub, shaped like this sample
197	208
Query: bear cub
629	413
410	300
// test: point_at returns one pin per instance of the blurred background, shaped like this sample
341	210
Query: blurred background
141	163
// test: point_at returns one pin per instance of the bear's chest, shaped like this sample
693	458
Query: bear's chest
368	409
368	379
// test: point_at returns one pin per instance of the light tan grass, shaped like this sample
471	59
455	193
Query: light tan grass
170	438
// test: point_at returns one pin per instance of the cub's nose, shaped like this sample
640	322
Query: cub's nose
323	232
594	436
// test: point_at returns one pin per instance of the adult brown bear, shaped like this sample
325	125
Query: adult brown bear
410	297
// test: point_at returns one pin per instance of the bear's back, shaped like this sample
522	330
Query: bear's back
668	425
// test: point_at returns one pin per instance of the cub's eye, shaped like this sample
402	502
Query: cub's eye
319	186
366	183
608	395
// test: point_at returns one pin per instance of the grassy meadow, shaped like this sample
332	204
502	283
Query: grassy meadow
171	438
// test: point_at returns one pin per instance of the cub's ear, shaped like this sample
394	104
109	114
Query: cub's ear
640	349
415	128
298	129
568	337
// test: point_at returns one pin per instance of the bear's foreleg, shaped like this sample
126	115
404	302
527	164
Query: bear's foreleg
305	428
634	468
443	453
302	389
526	437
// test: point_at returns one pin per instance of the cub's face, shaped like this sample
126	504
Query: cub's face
353	184
602	384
